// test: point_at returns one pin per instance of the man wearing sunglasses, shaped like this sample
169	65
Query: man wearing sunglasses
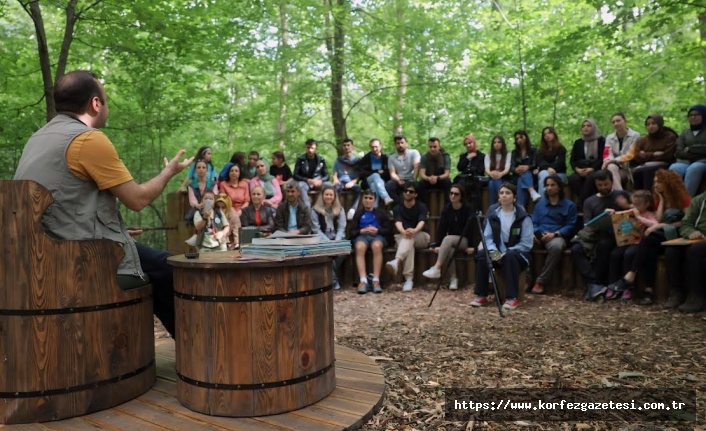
410	216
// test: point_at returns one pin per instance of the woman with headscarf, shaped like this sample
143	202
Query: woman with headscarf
471	171
586	158
263	178
651	152
691	150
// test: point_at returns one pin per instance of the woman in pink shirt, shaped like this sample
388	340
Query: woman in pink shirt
236	188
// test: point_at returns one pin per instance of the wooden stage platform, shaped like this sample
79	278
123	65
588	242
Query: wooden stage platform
360	386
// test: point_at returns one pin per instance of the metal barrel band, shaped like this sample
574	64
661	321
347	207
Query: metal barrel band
258	298
253	386
72	310
78	388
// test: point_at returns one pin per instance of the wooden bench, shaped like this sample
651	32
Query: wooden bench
72	342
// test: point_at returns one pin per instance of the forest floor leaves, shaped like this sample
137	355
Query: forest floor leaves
550	341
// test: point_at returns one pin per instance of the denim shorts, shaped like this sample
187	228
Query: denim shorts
368	239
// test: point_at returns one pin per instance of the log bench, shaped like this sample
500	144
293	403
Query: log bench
71	341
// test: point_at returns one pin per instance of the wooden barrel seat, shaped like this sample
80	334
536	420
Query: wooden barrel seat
71	341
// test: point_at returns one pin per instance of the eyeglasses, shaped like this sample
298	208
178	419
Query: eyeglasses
694	115
411	192
455	193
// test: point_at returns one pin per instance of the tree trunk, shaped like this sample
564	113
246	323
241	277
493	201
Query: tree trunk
702	31
49	81
335	44
401	71
34	11
523	93
284	72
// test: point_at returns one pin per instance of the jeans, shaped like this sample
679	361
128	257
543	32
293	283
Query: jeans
377	185
493	187
356	193
692	173
304	188
154	264
524	181
544	174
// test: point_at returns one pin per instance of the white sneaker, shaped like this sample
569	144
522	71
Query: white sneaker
407	286
453	284
535	196
432	273
351	213
388	200
392	266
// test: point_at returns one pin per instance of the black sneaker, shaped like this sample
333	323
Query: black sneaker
619	285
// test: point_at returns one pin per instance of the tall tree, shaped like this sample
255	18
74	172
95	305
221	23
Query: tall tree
336	18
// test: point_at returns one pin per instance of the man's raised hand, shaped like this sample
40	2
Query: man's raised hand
174	165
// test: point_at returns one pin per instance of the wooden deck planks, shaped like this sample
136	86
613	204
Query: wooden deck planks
357	396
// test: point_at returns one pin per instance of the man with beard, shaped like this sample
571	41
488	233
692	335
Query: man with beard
554	220
310	172
373	170
592	247
434	171
404	166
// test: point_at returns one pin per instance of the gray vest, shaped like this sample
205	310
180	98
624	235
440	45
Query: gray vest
80	210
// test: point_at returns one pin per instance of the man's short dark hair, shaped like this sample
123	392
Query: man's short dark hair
411	184
310	141
602	175
398	138
559	182
433	139
254	153
74	91
368	192
291	185
347	140
279	155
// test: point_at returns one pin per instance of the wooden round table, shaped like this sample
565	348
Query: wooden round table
253	338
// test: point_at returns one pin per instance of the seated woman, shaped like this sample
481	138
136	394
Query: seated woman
691	150
522	165
369	228
257	214
328	220
617	146
671	199
211	224
508	233
204	153
236	188
453	226
651	152
199	185
497	167
642	206
471	171
270	184
586	158
551	158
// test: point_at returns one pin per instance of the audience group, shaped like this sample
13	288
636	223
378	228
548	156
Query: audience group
656	176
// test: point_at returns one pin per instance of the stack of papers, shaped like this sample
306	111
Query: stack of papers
283	246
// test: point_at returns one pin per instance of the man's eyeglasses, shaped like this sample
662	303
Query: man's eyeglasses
411	192
455	193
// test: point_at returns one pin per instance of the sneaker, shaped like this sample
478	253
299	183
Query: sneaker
593	291
351	213
610	294
432	273
407	286
376	287
336	285
537	289
535	196
619	285
647	298
392	266
389	201
362	288
453	284
479	301
511	304
627	295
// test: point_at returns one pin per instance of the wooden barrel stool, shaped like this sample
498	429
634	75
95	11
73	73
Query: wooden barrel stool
253	338
71	341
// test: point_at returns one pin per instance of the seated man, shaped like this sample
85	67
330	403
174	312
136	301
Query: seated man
403	167
292	215
374	172
310	172
591	251
410	217
686	265
434	171
345	175
369	229
81	168
554	220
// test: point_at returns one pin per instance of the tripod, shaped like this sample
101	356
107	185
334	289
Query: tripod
476	215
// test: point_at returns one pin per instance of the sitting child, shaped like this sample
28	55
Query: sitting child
211	223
